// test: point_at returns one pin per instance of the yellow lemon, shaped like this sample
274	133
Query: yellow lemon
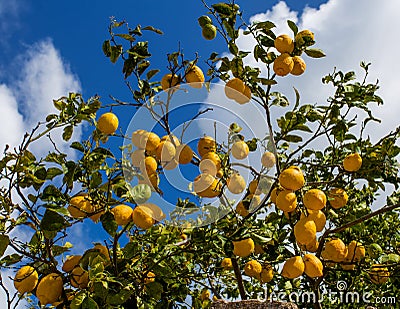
356	251
299	66
183	154
267	273
122	214
243	247
209	32
49	288
314	199
304	38
236	183
337	198
226	264
253	268
292	178
206	185
379	274
149	166
318	217
171	138
245	96
234	88
71	262
169	81
210	163
79	278
165	151
26	279
241	209
77	204
142	217
150	141
335	250
137	138
206	144
137	157
286	201
195	77
268	159
103	250
305	230
293	267
240	150
284	44
283	64
352	162
312	266
107	123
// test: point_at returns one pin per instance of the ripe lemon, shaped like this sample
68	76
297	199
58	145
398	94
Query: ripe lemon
253	268
292	178
77	204
241	209
254	200
314	199
122	214
226	264
245	96
137	157
206	185
210	163
165	151
171	138
268	159
286	201
154	210
283	64
149	141
274	195
209	32
26	279
267	273
107	123
169	81
299	66
243	247
356	251
49	288
284	44
312	266
335	250
379	274
183	154
304	38
71	262
236	183
352	162
149	166
79	278
205	294
136	138
142	217
254	188
318	217
305	230
233	87
310	247
195	77
150	277
103	250
293	267
337	198
206	144
240	150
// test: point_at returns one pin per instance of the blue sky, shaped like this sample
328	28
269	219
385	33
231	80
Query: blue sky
48	48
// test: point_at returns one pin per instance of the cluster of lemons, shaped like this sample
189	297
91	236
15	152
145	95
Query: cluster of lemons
194	76
287	62
208	30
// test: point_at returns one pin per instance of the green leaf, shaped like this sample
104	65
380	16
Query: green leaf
115	52
314	53
109	224
126	37
151	28
57	250
121	297
78	299
106	49
89	303
11	259
293	27
151	73
53	172
51	193
297	98
4	241
78	146
237	66
140	193
53	222
292	138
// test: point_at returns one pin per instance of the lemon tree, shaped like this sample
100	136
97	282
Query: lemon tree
262	212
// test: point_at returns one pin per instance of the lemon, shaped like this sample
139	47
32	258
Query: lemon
356	251
267	273
206	144
226	264
165	151
204	20
299	66
233	87
149	141
286	201
245	96
243	247
284	44
209	32
26	279
240	150
292	178
253	268
77	204
107	123
379	274
79	278
268	159
122	214
236	183
142	217
171	138
305	230
156	212
49	288
137	157
334	250
169	81
205	294
293	267
337	198
150	277
311	246
137	138
314	199
254	188
71	262
352	162
241	209
206	185
318	217
274	195
195	77
149	166
210	163
283	64
304	38
152	180
312	266
183	154
103	250
254	200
